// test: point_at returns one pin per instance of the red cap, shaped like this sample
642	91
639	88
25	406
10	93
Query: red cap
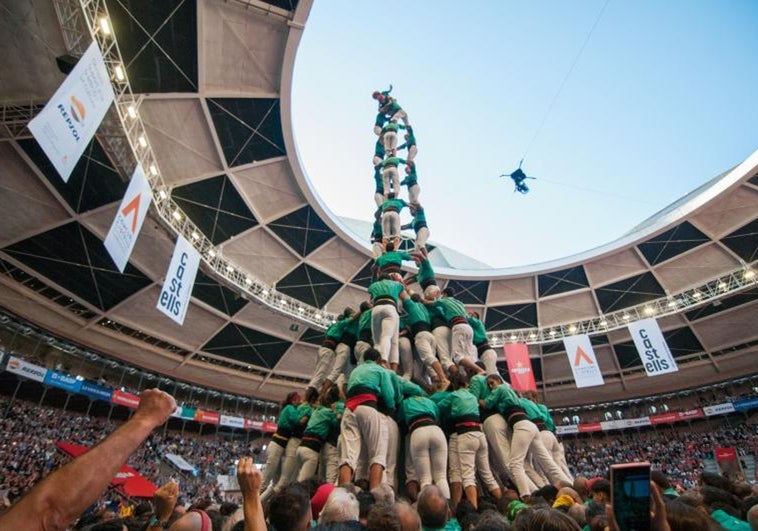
319	499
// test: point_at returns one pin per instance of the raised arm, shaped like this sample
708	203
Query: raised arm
249	479
59	499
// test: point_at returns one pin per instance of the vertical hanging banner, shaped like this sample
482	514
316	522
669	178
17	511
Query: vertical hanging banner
583	361
65	126
128	222
520	367
180	279
652	348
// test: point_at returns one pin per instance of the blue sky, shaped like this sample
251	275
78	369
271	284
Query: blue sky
661	100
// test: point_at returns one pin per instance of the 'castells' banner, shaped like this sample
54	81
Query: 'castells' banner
131	213
65	126
583	361
652	348
520	366
180	278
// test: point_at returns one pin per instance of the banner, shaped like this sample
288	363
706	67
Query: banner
564	430
188	413
253	424
206	416
269	427
128	222
63	381
96	391
583	361
652	348
232	422
26	369
65	126
739	405
592	426
718	409
180	279
179	462
726	454
676	416
520	367
125	399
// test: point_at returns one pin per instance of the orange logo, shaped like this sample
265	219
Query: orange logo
78	110
581	355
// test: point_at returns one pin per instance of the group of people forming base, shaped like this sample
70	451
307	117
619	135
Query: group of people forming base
412	396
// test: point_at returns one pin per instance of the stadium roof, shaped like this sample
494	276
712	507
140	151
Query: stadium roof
212	83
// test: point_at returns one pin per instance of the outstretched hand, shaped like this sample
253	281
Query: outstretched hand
164	500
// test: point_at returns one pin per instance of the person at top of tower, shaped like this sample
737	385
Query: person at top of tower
411	181
389	105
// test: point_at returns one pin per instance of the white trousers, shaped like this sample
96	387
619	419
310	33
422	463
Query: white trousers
364	427
442	336
463	343
428	450
390	225
324	362
384	321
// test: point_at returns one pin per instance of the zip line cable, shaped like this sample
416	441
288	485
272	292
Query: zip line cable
565	79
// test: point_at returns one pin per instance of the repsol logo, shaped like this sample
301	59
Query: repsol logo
69	122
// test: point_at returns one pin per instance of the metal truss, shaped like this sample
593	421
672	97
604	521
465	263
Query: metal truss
706	293
15	117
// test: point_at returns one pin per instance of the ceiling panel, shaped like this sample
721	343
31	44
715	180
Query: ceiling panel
74	258
249	129
511	317
267	320
568	308
673	242
308	284
470	291
562	281
618	265
217	296
338	258
270	189
181	139
22	193
300	359
511	290
215	206
302	230
692	268
744	241
261	255
247	345
628	292
94	181
726	303
728	211
158	43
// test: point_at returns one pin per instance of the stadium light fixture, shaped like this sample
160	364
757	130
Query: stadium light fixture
105	25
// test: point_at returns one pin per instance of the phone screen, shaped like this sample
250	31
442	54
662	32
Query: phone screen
630	496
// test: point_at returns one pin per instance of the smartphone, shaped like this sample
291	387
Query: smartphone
630	496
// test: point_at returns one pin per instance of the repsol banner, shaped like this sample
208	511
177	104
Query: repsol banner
718	409
96	391
63	381
67	123
180	278
232	422
26	369
565	430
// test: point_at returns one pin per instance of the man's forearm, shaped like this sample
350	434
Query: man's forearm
58	500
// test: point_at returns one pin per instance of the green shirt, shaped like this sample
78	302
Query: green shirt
323	420
385	289
392	127
391	161
533	412
393	204
416	311
419	219
418	406
456	405
729	522
288	420
425	271
549	424
451	308
478	387
403	388
411	139
370	376
480	334
502	399
379	150
336	330
412	177
364	321
394	258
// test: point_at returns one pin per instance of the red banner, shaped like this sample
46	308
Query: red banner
520	367
691	414
253	424
207	416
125	399
127	481
726	454
269	427
592	426
676	416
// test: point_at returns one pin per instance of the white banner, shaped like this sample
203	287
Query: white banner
179	462
583	361
718	409
232	422
563	430
128	222
65	126
180	279
26	369
652	347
